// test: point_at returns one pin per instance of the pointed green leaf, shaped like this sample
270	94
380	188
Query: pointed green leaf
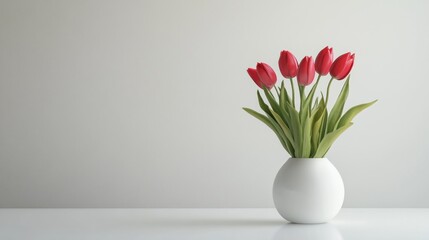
281	135
263	106
329	139
277	91
303	107
285	129
259	116
352	112
269	123
317	124
316	132
318	110
309	99
324	126
306	141
316	104
285	116
338	107
282	98
295	127
274	105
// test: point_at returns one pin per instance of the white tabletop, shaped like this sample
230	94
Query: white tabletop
125	224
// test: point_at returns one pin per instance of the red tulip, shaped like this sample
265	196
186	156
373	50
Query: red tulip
306	71
288	64
254	75
342	66
324	61
266	75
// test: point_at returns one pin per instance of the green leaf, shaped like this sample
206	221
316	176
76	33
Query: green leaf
274	105
319	116
277	91
263	106
306	141
285	116
282	97
352	112
338	107
269	123
329	139
285	129
281	135
316	104
295	126
283	91
324	126
316	132
259	116
319	109
303	108
309	99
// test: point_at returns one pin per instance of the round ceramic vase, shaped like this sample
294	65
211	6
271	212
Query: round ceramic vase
308	190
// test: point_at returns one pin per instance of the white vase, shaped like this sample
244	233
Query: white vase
308	190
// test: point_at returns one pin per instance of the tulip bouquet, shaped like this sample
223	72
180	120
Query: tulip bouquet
305	129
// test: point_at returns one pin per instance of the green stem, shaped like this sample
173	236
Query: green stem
278	94
301	96
269	91
327	91
293	92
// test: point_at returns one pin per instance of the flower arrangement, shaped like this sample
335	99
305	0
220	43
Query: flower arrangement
305	129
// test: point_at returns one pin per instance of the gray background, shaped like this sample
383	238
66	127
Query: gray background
138	103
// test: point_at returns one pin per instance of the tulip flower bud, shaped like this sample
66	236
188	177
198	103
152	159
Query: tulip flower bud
254	75
342	66
306	71
324	61
288	64
266	74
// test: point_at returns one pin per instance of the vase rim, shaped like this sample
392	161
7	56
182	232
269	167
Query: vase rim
307	158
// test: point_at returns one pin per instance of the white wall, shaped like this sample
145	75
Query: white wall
138	103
